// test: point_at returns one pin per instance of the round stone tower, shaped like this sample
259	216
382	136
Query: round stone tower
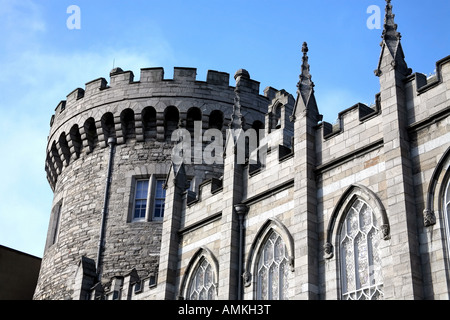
108	155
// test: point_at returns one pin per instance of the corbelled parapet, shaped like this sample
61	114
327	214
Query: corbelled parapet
147	109
150	78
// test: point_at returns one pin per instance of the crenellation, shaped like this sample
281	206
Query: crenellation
75	95
218	78
152	75
98	134
95	86
60	107
270	93
424	83
181	74
151	85
365	112
427	96
329	130
347	121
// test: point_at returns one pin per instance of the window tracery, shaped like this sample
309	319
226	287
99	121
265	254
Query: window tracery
446	204
273	270
203	284
359	239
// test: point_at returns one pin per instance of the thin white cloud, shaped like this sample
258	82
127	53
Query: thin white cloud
21	21
34	81
25	197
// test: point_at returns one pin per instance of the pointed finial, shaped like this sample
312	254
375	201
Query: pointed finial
305	83
390	27
306	102
236	117
391	39
304	48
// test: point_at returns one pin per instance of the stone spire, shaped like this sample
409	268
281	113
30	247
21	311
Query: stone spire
390	35
391	40
236	117
305	85
236	124
305	88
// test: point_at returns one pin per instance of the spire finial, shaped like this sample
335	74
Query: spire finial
305	83
306	102
236	117
304	48
391	40
390	27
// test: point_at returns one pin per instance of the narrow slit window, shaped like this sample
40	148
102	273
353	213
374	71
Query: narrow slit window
57	222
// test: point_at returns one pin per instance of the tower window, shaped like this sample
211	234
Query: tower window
149	197
56	223
160	199
140	202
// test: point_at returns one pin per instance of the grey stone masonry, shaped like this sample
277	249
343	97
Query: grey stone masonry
358	209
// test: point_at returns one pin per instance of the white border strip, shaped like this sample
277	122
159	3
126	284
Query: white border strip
430	145
351	179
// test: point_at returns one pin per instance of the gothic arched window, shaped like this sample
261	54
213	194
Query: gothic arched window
203	284
447	198
359	256
273	269
447	209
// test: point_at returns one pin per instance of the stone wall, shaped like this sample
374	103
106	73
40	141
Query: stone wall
135	114
394	156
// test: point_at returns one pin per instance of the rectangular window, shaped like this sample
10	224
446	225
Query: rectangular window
149	199
190	185
160	200
140	200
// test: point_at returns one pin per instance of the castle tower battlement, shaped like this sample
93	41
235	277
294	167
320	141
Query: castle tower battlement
148	109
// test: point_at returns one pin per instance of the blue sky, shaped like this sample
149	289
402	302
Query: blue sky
42	60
